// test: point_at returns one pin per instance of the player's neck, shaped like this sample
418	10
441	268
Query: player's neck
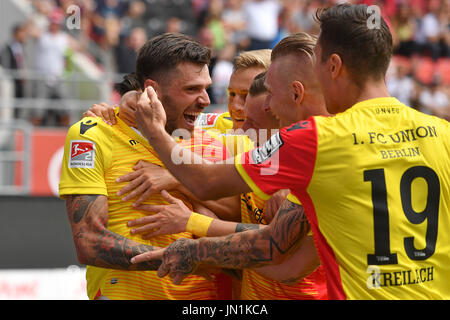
371	90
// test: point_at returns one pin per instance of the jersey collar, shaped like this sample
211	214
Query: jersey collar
377	102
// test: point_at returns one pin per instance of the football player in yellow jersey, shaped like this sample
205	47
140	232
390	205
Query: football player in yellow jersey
256	117
309	282
96	154
374	178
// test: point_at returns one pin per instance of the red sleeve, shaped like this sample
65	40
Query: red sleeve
286	161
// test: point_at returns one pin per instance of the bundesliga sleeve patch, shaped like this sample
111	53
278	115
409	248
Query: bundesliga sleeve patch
82	154
266	151
207	120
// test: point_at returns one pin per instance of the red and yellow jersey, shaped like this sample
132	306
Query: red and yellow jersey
375	184
258	287
96	154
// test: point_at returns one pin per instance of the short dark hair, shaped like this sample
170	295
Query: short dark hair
345	31
163	53
300	43
257	87
129	83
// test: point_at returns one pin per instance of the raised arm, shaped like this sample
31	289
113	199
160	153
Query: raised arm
148	179
95	244
205	180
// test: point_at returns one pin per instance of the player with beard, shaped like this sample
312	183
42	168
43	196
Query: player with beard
96	154
267	283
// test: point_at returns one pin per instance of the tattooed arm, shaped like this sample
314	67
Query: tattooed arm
174	217
248	249
299	265
94	243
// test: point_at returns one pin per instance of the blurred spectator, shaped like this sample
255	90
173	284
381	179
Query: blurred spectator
50	53
206	38
214	22
234	22
13	57
111	8
173	25
429	31
134	17
221	73
262	22
108	40
42	9
127	53
435	101
404	28
401	85
303	17
111	32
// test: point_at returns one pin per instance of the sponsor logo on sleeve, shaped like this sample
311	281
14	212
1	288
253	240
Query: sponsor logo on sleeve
299	125
207	120
82	154
266	151
85	126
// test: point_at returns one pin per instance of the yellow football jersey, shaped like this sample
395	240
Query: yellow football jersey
258	287
375	184
96	154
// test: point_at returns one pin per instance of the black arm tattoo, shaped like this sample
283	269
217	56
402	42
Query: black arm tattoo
248	249
240	227
95	244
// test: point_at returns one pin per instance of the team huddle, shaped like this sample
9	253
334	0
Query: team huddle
316	184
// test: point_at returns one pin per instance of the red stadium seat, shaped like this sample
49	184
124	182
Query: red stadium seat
443	70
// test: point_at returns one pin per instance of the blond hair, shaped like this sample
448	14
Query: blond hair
253	59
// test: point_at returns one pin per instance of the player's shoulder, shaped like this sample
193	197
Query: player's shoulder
90	128
302	127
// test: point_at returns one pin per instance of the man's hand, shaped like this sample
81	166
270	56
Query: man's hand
127	107
177	259
168	219
145	180
150	114
103	111
248	249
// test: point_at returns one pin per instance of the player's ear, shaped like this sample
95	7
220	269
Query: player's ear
298	91
154	85
335	65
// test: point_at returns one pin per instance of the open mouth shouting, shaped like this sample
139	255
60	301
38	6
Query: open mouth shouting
190	117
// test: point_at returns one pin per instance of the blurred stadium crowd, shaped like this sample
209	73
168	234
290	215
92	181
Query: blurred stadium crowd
109	32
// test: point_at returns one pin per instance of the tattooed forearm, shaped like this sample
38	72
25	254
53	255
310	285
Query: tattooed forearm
115	251
246	226
254	248
95	244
